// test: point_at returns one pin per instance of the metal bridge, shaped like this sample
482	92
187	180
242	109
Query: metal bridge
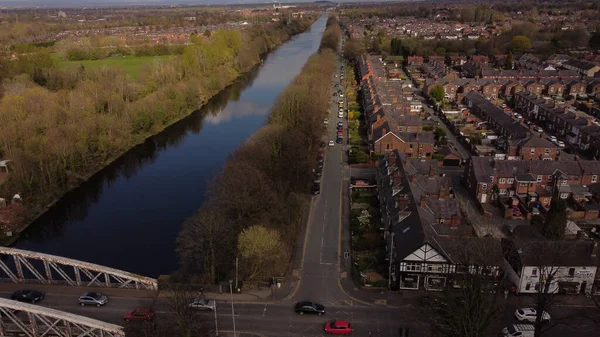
23	319
51	269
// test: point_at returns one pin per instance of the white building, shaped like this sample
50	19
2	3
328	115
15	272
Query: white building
571	265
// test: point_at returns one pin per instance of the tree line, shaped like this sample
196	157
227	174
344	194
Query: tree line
59	125
256	205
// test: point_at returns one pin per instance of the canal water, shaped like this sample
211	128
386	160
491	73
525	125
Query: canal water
128	215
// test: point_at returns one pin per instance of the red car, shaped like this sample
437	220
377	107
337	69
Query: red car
338	327
340	132
139	314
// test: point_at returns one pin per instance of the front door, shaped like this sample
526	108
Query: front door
483	198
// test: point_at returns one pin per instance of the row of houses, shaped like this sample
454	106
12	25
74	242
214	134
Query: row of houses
430	249
576	127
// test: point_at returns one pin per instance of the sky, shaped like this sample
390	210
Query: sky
81	3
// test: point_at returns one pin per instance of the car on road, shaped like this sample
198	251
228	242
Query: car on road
535	211
308	307
560	143
335	76
552	139
331	143
139	314
518	116
340	133
528	315
340	124
338	327
26	295
203	304
519	330
326	121
316	189
92	298
538	129
516	211
341	95
339	140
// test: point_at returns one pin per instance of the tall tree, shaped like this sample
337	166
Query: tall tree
437	93
556	220
520	44
260	251
510	60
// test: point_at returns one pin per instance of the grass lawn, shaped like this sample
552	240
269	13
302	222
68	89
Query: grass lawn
131	64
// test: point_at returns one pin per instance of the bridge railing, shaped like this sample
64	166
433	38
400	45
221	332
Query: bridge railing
21	266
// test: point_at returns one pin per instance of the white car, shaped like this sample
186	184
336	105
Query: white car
560	143
535	211
538	129
326	121
552	139
203	304
341	95
331	143
518	116
529	315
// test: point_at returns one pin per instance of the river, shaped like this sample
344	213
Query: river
129	214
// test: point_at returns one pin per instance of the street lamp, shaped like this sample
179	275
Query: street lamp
232	311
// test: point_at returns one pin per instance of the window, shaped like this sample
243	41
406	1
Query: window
387	146
411	146
503	191
523	184
408	129
510	180
534	272
441	221
502	180
565	182
594	178
483	187
492	179
571	272
539	178
564	195
412	266
549	179
547	151
532	151
528	286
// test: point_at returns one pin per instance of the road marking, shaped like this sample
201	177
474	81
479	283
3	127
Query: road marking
353	298
238	332
265	310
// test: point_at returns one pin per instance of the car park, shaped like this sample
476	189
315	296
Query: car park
28	296
92	298
529	315
308	307
338	327
203	304
139	314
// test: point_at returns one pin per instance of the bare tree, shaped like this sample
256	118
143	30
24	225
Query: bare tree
179	298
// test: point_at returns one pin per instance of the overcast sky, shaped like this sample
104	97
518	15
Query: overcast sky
80	3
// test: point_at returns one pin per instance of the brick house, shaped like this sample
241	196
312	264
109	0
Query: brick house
490	90
416	144
537	148
456	60
416	61
482	60
555	88
535	87
575	88
510	88
385	138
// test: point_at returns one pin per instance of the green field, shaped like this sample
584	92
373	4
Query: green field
131	64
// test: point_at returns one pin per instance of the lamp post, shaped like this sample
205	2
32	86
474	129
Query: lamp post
232	310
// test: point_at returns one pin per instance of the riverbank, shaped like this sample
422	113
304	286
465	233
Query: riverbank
37	210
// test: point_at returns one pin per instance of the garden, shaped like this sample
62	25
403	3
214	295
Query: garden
368	245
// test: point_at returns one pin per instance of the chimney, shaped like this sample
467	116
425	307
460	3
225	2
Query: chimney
442	193
432	171
422	202
403	201
595	248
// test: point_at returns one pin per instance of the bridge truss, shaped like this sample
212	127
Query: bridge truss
24	319
50	269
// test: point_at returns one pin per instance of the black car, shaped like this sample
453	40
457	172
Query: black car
29	296
316	189
320	159
339	140
309	308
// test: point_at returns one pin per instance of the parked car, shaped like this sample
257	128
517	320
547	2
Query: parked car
341	95
519	330
340	124
331	143
92	298
516	211
518	116
339	140
320	160
340	132
535	211
538	129
326	121
309	308
316	189
26	295
529	315
338	327
203	304
560	143
139	314
552	138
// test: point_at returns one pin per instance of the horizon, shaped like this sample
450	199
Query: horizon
119	3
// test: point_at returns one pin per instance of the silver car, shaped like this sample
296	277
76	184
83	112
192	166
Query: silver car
96	299
203	304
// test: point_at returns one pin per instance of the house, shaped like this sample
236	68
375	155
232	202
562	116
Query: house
472	69
487	178
569	266
386	139
436	61
537	148
555	88
586	69
490	90
482	60
575	88
558	59
457	60
415	61
421	255
416	144
495	117
510	88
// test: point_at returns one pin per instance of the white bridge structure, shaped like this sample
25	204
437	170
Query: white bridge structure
24	319
32	267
